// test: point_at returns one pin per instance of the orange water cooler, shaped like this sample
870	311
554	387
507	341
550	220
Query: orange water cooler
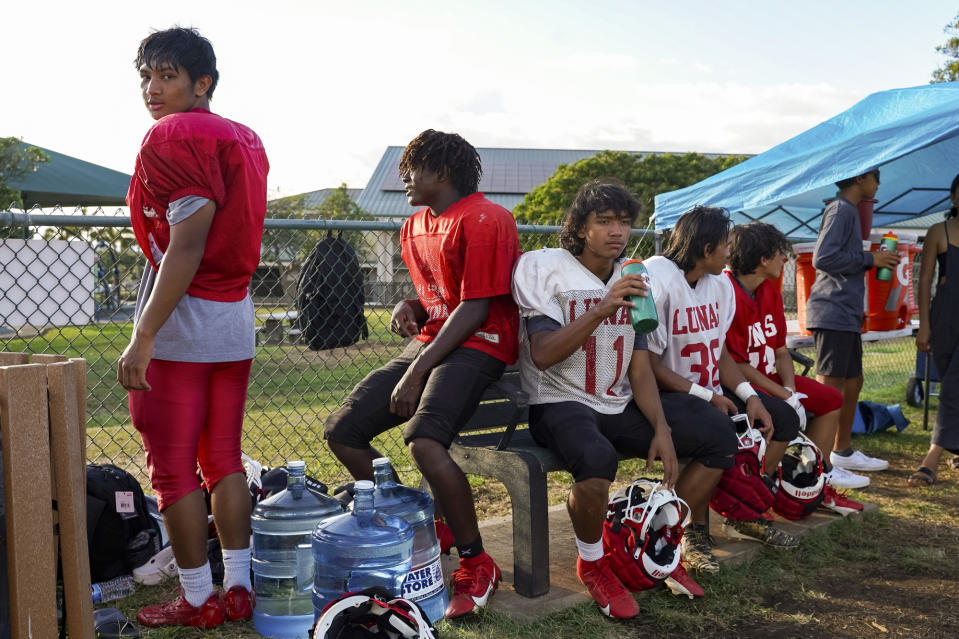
805	276
890	305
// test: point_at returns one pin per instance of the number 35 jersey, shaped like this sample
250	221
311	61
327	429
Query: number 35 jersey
692	321
552	283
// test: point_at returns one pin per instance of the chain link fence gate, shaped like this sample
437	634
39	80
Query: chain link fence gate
68	285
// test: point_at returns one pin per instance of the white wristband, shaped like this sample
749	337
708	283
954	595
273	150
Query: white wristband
745	390
702	393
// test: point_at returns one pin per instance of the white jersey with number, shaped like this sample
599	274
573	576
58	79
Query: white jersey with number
692	321
553	283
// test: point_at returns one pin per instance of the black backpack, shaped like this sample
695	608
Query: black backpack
329	296
118	541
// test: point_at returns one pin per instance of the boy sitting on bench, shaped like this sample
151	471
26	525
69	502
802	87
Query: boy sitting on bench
696	306
460	250
757	342
592	392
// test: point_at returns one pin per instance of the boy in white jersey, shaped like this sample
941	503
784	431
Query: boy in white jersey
696	306
592	391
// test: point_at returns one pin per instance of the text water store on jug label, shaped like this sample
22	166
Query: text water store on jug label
424	582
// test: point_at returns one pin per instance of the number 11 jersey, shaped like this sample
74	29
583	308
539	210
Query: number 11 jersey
552	283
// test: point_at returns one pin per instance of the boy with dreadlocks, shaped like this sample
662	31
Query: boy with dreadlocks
460	250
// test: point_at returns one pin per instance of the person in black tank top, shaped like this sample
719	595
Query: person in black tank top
939	335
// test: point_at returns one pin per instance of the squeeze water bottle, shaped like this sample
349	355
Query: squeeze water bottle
424	584
282	559
359	550
889	242
116	588
643	314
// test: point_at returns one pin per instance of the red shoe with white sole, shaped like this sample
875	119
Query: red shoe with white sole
611	595
472	585
680	583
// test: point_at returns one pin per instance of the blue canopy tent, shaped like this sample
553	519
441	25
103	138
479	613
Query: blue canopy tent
911	134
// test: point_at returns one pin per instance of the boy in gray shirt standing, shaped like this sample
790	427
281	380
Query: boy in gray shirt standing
834	312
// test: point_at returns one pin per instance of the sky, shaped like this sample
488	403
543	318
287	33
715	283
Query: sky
329	85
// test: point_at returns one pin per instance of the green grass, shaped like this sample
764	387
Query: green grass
292	392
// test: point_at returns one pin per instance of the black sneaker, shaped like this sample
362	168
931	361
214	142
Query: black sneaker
759	530
696	549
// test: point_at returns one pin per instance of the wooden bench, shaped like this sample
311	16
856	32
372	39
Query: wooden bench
495	443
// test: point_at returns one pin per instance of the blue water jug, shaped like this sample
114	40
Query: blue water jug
424	584
282	562
359	550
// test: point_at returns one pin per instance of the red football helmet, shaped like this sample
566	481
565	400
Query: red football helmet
801	481
641	534
742	494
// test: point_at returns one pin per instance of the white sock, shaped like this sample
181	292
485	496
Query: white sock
197	584
590	552
236	568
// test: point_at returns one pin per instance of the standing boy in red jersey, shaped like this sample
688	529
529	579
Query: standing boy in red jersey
197	202
756	340
460	250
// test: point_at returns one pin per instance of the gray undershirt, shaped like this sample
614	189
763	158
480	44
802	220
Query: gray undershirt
199	330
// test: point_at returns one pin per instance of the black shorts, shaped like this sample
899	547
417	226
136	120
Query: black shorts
785	419
588	441
453	390
838	353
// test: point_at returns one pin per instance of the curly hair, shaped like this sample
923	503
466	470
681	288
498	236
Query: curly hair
180	47
696	229
750	243
445	153
599	195
953	211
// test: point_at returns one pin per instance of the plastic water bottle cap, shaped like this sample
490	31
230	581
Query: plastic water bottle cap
381	461
296	464
363	484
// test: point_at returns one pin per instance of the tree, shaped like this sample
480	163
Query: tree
284	243
949	71
646	176
16	161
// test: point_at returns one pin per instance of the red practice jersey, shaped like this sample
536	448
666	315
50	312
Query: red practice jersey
202	154
759	326
466	253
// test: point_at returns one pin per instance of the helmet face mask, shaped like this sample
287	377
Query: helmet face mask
800	480
644	525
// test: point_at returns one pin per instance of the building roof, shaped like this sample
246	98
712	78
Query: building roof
508	175
313	199
68	181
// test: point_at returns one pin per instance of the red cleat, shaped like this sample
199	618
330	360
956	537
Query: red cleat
444	535
179	612
680	583
473	583
605	587
838	502
237	603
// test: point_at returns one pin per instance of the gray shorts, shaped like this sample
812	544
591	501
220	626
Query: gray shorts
838	353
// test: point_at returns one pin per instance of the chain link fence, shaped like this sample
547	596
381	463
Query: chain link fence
68	285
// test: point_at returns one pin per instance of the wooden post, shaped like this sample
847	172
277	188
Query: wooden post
31	557
70	469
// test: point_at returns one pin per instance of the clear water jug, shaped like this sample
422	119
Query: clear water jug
360	549
282	561
424	584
